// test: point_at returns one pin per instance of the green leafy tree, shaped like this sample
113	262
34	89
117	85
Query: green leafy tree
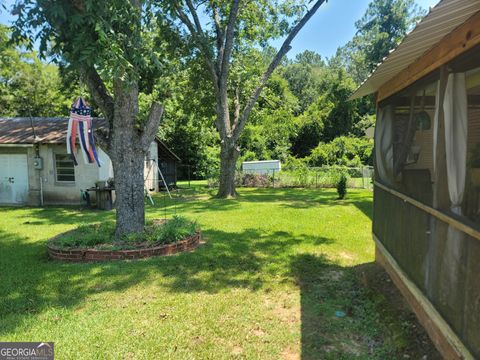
382	27
188	125
385	22
311	126
28	87
345	113
309	57
267	136
305	82
115	47
236	25
305	77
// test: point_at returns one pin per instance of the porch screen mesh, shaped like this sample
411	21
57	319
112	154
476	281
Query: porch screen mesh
404	142
430	151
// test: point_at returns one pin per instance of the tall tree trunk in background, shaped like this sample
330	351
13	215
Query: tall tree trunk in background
229	153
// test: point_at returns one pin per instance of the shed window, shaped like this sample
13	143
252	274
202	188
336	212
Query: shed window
64	168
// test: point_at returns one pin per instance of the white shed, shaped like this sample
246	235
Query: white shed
262	167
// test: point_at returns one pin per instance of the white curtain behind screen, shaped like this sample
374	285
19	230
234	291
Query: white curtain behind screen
384	143
455	109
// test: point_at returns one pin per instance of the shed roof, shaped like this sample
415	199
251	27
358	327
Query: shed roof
51	130
439	22
47	130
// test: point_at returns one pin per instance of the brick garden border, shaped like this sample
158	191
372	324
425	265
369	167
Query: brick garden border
88	255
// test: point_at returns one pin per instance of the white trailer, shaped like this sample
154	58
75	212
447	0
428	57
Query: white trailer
264	167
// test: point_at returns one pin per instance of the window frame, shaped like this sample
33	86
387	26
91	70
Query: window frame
56	168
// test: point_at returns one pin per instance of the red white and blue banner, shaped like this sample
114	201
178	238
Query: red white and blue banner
81	123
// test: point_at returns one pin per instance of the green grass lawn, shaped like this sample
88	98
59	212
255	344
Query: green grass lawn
276	266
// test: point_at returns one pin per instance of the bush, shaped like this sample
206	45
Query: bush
293	163
342	186
343	151
325	177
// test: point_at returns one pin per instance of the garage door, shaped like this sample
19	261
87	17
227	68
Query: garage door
13	179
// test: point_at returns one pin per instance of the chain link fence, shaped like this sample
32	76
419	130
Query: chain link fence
304	177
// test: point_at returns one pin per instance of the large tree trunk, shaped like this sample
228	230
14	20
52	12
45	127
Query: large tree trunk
128	167
128	159
228	160
126	144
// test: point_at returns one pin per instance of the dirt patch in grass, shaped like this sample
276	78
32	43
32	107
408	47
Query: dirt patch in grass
290	354
349	347
346	256
237	350
281	309
402	329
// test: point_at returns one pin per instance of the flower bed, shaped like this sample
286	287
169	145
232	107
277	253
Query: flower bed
160	238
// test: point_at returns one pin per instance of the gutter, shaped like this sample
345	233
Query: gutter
16	145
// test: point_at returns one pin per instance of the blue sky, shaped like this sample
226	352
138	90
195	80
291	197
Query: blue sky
332	26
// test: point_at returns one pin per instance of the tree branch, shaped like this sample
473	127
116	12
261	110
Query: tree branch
102	140
236	102
199	37
98	90
223	64
151	127
220	37
284	49
229	37
101	98
196	20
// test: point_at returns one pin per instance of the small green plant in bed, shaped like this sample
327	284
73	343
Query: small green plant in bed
87	236
101	236
174	230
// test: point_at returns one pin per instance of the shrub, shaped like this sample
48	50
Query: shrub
293	163
173	230
344	151
342	186
213	182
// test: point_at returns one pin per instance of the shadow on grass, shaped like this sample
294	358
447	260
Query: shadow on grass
355	312
297	198
194	202
32	283
53	215
338	321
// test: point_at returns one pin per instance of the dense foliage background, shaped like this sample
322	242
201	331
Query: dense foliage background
303	117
